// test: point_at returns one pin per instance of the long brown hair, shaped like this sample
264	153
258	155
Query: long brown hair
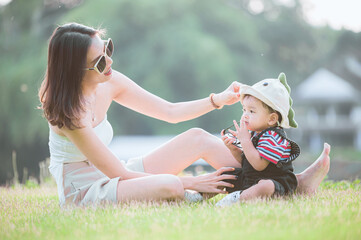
60	93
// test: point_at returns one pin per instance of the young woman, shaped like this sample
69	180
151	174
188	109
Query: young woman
76	93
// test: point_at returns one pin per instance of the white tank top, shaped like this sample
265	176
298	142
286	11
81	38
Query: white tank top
62	150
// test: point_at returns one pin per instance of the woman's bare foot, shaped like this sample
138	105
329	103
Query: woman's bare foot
310	179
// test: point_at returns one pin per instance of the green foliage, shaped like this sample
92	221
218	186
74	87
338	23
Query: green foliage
342	185
345	154
178	50
31	183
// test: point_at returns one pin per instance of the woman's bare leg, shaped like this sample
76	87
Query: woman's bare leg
150	188
310	179
181	151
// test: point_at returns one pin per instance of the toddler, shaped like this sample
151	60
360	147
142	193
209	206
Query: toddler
260	144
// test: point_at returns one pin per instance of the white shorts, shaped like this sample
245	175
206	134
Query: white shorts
85	184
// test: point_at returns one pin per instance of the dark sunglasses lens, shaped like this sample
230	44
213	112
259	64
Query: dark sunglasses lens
110	48
101	64
229	128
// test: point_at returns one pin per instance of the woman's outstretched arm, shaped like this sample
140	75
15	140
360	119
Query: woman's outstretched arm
129	94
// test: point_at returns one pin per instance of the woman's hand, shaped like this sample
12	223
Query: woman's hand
229	96
214	182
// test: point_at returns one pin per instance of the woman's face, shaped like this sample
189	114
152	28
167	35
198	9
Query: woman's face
96	51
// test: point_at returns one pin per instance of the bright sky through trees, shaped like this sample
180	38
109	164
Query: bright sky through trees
336	13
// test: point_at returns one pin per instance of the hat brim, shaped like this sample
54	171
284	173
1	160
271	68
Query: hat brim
248	90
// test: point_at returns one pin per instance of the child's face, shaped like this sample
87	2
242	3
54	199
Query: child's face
256	116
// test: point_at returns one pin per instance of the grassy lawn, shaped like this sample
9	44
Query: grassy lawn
333	213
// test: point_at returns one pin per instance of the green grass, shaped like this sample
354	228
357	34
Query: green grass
333	213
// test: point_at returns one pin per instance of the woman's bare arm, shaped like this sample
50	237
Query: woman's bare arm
98	154
129	94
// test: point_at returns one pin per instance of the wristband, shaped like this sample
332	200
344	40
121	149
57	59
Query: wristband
213	103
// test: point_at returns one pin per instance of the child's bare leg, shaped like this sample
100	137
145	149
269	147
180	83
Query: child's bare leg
310	179
263	189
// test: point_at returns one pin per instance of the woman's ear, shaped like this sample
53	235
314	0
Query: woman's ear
273	119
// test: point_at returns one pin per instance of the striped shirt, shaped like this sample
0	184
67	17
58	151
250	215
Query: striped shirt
272	147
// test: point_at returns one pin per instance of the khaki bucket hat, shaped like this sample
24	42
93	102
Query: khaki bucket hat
276	94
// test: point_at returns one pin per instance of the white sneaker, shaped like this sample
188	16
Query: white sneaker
230	199
192	196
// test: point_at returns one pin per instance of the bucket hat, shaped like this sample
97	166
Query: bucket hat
276	94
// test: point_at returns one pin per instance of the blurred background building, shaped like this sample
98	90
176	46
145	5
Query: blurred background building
328	109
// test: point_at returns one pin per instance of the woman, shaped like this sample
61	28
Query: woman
76	93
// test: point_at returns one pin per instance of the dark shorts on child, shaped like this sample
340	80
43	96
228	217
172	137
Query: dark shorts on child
285	181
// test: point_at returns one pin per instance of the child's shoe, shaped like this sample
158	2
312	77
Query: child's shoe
192	196
230	199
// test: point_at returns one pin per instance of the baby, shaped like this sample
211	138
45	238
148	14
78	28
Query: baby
260	144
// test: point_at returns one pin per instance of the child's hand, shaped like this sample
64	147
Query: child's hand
242	132
228	140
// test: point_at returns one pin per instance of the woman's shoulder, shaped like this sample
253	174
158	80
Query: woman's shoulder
117	78
116	83
56	130
64	130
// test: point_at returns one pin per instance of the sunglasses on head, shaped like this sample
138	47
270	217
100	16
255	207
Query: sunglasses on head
100	65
